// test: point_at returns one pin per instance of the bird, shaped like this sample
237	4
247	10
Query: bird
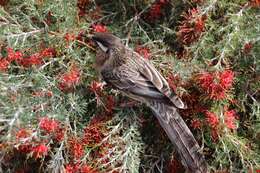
127	71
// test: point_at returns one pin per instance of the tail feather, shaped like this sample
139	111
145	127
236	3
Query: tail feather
181	136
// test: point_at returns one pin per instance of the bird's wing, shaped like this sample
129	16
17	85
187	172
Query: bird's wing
138	77
153	76
133	83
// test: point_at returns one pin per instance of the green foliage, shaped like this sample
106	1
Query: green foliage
132	140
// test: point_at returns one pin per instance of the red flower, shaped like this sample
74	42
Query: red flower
155	11
143	51
92	134
39	150
206	80
35	59
191	27
173	81
69	37
25	148
22	133
4	64
216	84
96	87
12	56
212	119
99	28
199	25
70	79
247	48
226	79
59	134
196	124
255	3
87	169
48	52
217	92
76	148
230	117
72	168
48	125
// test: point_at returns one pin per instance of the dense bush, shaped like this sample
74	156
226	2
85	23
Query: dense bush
56	116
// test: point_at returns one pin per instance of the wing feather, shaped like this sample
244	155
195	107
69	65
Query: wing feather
139	77
149	71
133	83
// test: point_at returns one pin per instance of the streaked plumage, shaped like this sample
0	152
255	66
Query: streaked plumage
128	72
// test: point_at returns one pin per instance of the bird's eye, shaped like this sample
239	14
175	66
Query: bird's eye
102	47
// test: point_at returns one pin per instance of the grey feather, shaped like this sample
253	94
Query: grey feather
128	72
181	137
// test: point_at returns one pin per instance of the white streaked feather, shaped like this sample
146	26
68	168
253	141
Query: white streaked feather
104	48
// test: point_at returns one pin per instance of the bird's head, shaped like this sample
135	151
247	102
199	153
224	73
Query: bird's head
107	41
108	46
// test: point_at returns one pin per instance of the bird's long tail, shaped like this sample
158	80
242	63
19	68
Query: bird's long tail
181	136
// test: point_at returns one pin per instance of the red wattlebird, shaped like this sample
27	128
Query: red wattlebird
134	76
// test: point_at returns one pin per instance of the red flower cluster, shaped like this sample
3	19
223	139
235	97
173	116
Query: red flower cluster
99	28
35	59
230	117
11	56
4	64
247	48
196	124
213	122
212	119
155	11
22	133
93	134
77	168
76	148
194	107
255	3
69	79
48	125
53	127
87	169
48	52
143	51
174	81
24	148
96	87
69	37
216	84
191	27
39	151
59	134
